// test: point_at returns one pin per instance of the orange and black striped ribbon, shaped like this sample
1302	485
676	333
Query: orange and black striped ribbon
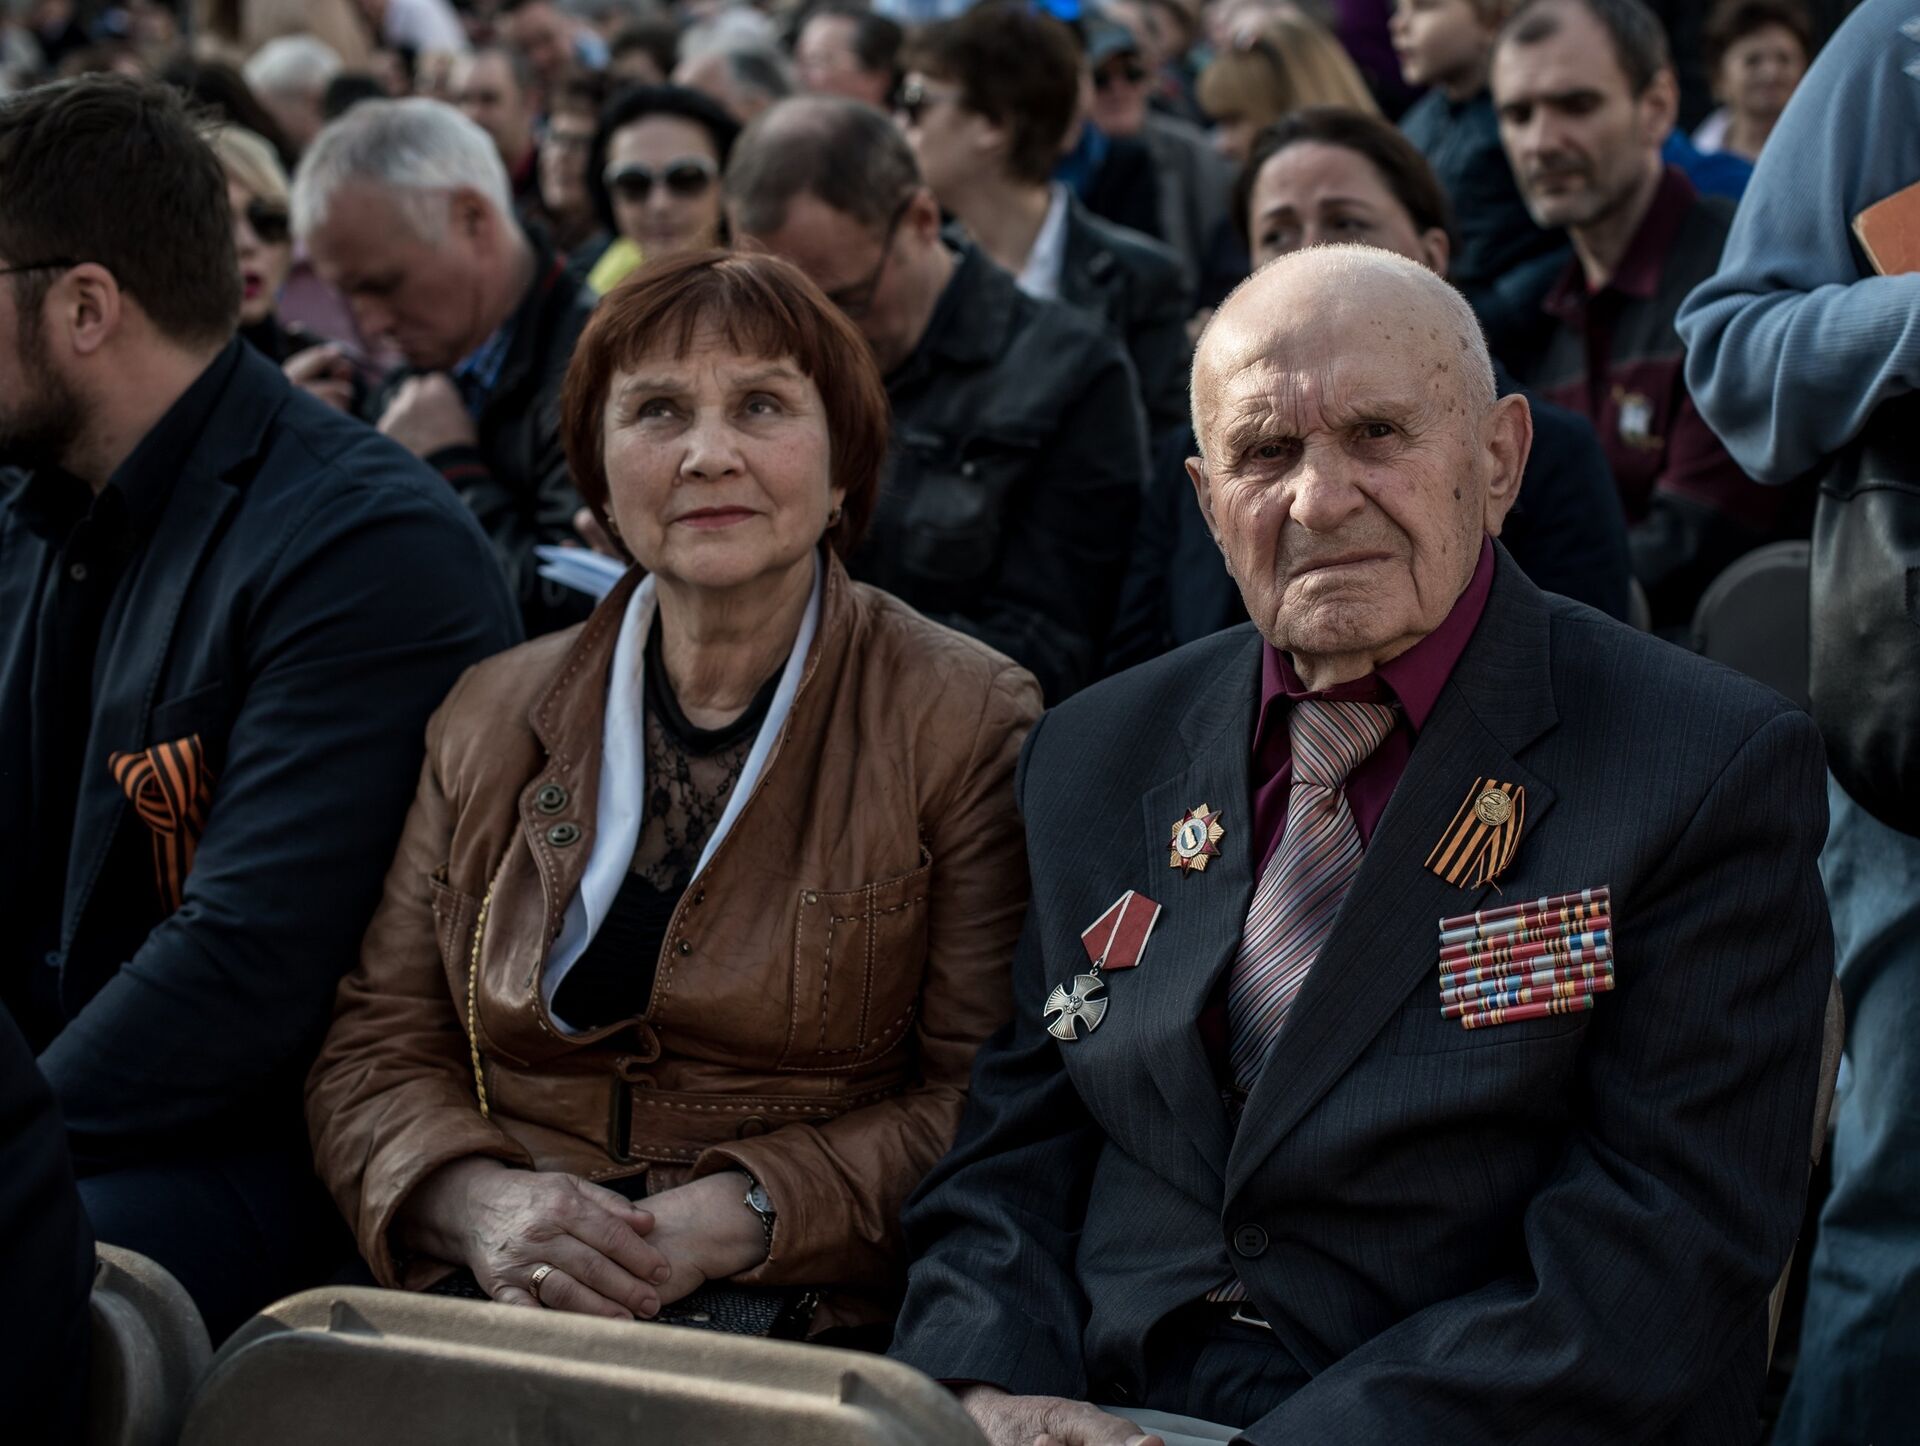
1474	850
171	790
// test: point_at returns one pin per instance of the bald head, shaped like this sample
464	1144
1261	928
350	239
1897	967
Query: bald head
1377	298
1354	457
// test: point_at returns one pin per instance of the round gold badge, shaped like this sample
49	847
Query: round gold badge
1493	807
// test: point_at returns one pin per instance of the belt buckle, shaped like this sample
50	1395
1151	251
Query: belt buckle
1241	1317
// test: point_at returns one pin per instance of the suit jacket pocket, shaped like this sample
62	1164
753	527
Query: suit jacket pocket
1421	1029
454	916
857	959
204	712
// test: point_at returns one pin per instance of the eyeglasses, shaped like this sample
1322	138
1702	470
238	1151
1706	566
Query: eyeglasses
916	98
857	300
60	265
1107	79
686	178
268	222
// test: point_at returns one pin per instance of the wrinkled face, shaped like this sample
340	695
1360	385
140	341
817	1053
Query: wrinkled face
1345	475
1758	74
858	268
1314	194
664	175
1437	40
428	297
827	64
1121	85
1579	140
264	258
41	415
485	91
563	162
718	468
944	134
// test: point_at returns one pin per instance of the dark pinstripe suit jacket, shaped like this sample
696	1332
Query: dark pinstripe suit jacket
1557	1230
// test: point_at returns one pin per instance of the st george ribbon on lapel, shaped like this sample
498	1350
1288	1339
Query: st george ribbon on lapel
1480	842
1526	961
171	789
1115	940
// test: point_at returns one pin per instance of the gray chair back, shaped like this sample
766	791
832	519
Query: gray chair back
1754	618
150	1349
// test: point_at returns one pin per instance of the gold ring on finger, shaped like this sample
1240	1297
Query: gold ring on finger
534	1281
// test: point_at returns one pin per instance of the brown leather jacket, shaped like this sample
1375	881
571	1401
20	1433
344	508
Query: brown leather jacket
824	983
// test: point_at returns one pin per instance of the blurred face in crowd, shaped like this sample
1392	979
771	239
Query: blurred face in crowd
1350	469
718	464
486	92
1121	85
1582	144
635	66
951	143
664	176
827	63
426	293
1315	194
1440	42
264	248
563	162
41	414
1759	72
545	36
877	276
1150	27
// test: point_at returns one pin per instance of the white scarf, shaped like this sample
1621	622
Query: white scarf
623	776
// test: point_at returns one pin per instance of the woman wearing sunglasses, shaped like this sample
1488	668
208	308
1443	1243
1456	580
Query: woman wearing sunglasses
654	175
257	193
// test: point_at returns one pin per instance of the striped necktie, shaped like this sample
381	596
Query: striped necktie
1300	892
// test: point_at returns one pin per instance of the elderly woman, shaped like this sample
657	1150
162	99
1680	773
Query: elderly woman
654	175
705	906
1757	53
262	240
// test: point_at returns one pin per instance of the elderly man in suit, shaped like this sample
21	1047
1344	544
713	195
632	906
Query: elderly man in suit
1418	1015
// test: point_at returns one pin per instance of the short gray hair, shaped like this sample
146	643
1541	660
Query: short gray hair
847	155
292	65
419	149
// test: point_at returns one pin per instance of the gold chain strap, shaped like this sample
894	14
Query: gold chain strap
473	988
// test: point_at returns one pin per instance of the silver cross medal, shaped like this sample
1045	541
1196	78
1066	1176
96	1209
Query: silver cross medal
1083	1004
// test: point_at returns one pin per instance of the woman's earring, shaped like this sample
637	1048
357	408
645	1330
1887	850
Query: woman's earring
833	517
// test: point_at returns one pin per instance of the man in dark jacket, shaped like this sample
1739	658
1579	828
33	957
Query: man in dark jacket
405	206
1019	445
225	614
988	101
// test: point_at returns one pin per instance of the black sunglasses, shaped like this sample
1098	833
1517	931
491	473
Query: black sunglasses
1131	74
686	178
268	222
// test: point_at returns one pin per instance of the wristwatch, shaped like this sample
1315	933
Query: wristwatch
761	1204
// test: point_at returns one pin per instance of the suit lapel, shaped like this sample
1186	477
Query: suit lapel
1383	947
137	637
1156	1006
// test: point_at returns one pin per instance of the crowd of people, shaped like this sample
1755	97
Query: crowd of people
815	666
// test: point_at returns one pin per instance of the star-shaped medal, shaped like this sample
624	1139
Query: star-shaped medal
1196	838
1081	1004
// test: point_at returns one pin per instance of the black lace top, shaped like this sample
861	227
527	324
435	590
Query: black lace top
691	773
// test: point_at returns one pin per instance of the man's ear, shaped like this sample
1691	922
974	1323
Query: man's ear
1659	107
1506	438
1203	494
923	215
86	307
472	216
1437	248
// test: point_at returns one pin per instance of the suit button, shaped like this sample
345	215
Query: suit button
564	835
550	799
1250	1241
751	1127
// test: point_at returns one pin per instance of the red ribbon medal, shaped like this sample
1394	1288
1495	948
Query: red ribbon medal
1115	940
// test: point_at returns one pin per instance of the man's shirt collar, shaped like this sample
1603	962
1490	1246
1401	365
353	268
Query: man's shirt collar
1638	274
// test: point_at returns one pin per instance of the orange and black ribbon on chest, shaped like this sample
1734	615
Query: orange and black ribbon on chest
1480	842
171	789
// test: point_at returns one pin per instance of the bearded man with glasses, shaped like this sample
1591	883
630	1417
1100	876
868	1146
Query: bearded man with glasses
1019	439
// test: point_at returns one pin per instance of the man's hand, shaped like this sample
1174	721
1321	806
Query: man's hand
427	415
706	1231
1047	1421
324	372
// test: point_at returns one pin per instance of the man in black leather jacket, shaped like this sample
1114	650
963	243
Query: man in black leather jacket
1019	441
428	251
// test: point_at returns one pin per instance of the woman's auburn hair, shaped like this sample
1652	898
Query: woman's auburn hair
764	307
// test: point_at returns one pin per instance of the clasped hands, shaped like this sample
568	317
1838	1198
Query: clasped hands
610	1256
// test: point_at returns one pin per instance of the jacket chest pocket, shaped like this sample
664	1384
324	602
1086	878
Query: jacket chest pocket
960	493
857	959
